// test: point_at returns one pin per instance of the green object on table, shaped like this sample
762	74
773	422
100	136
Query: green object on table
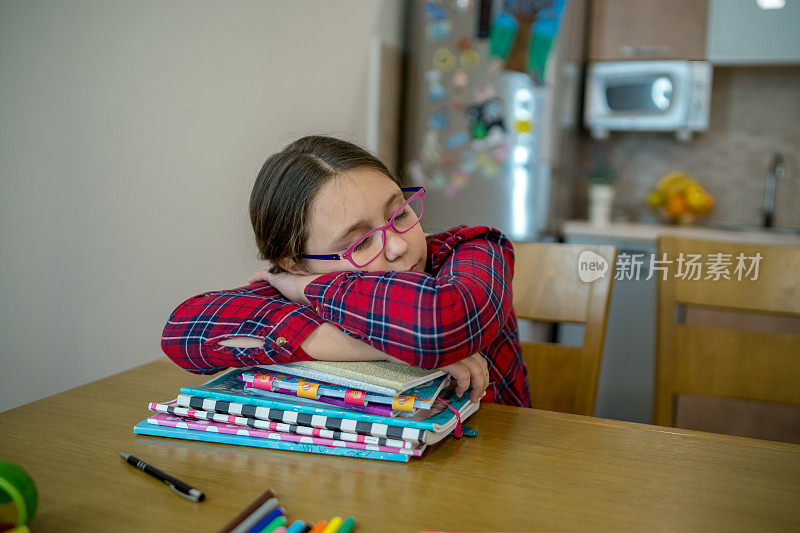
272	526
347	525
17	485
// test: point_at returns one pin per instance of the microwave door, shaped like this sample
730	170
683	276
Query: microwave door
643	96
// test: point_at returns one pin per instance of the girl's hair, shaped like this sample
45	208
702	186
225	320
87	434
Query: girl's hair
286	185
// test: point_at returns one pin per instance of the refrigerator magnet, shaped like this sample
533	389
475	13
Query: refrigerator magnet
484	91
431	149
438	120
457	104
417	173
436	90
438	31
444	60
468	162
464	5
460	79
438	182
469	59
459	139
434	11
460	179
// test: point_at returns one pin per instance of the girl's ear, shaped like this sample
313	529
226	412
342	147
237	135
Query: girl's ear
292	267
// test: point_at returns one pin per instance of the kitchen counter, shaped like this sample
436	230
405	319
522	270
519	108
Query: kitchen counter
634	231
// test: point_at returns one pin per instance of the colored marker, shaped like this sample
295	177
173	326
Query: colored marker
256	515
318	527
279	522
333	525
347	525
296	527
255	504
264	522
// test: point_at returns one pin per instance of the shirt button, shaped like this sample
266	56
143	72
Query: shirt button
281	342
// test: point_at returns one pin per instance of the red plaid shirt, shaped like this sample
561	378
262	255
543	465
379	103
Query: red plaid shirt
460	305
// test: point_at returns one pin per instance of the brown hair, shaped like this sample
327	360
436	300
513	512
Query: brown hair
286	185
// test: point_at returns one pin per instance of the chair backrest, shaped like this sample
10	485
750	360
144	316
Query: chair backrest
547	288
726	339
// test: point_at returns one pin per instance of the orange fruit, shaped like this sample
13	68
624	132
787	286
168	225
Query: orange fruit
675	205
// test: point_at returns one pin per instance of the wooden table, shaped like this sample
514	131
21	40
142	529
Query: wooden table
528	470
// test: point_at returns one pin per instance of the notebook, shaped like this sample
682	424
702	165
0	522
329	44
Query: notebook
382	377
228	387
146	428
423	395
226	394
172	408
233	429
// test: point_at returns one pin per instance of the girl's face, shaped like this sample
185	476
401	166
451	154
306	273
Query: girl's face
348	206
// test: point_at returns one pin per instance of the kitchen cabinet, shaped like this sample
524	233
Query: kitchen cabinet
647	29
742	33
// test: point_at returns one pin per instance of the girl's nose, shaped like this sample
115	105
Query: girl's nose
395	247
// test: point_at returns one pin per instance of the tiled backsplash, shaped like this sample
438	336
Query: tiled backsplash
755	112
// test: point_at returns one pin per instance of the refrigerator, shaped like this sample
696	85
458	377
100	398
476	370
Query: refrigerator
493	139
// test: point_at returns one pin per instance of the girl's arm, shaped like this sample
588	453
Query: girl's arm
253	325
424	320
257	325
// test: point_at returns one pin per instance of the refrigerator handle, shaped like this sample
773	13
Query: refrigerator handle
484	18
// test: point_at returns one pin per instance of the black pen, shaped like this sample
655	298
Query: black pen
180	488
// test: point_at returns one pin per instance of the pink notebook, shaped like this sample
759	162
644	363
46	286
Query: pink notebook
232	429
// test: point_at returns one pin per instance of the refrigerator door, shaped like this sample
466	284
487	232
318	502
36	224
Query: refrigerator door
472	130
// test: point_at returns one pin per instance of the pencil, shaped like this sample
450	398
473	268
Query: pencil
266	495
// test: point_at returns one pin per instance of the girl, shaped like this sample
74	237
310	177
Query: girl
350	275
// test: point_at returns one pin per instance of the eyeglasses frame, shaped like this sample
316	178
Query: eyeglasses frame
348	253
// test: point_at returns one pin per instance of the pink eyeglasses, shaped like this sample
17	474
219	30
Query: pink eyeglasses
366	249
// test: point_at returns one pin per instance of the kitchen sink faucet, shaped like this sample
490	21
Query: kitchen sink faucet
777	169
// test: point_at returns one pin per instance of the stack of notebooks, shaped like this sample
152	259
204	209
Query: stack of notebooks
374	410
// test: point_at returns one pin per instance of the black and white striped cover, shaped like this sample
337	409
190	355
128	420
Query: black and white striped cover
412	435
173	409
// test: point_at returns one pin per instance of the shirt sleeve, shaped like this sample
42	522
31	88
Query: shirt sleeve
424	320
192	335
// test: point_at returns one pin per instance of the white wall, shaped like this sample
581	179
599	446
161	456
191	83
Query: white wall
130	135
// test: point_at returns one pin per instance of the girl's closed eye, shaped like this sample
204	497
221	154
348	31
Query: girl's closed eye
363	244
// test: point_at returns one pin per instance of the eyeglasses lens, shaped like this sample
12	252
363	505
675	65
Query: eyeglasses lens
368	248
372	244
408	215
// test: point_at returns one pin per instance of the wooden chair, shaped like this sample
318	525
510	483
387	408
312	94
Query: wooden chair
728	350
547	288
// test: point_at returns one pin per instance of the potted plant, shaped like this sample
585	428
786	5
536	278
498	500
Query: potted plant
601	192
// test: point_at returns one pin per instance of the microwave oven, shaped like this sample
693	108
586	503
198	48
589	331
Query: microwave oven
647	96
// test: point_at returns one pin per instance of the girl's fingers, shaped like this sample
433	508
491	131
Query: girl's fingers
461	373
479	374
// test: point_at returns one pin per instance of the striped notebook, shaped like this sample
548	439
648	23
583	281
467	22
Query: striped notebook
172	408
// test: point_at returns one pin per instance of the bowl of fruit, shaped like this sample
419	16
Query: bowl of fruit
680	199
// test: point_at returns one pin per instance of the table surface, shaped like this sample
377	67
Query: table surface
528	470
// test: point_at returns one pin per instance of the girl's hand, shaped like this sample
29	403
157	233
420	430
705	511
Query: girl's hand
292	286
471	370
